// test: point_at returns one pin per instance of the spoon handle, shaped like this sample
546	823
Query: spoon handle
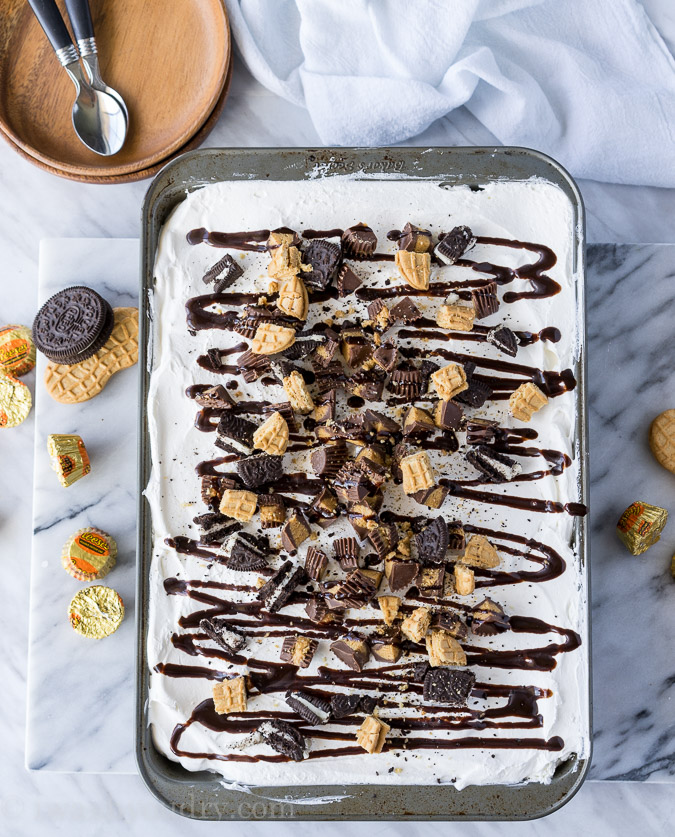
79	13
49	17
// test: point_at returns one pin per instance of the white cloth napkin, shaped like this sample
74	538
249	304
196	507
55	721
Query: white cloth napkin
589	82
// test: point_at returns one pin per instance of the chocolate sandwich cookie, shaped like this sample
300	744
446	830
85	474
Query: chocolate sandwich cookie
73	325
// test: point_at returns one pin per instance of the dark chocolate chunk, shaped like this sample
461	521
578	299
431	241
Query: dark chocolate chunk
405	310
227	636
259	470
432	542
485	300
413	238
235	433
481	431
300	655
73	325
448	685
283	738
448	415
432	498
324	257
217	398
347	281
341	706
477	394
359	240
386	356
401	574
353	650
316	562
276	592
241	553
381	424
386	647
312	708
295	531
488	618
418	671
223	273
328	459
354	591
504	339
497	467
407	383
454	244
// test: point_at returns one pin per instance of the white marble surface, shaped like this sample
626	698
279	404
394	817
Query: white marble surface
96	677
37	206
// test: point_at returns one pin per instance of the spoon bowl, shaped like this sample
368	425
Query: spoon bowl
98	117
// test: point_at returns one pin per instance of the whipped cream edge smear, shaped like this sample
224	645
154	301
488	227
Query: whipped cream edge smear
531	211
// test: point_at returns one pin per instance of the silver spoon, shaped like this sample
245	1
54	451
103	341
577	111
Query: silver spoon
82	24
98	118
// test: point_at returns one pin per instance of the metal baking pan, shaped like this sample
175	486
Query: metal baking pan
203	795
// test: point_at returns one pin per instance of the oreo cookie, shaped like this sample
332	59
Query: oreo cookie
446	685
342	706
227	636
284	738
497	467
324	257
259	470
432	542
242	553
73	325
310	707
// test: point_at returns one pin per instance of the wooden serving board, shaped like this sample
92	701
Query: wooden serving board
169	60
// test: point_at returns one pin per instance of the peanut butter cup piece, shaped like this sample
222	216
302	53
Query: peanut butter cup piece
347	281
347	551
386	356
354	591
389	605
298	650
316	563
485	300
353	650
432	498
405	310
415	239
359	240
488	618
356	348
418	422
296	530
400	574
328	459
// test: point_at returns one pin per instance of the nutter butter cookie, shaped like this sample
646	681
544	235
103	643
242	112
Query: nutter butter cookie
89	554
96	611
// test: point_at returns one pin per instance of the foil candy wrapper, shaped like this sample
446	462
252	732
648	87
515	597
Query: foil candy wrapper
17	350
15	401
69	457
89	554
96	611
640	526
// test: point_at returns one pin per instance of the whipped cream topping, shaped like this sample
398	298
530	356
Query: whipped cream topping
528	711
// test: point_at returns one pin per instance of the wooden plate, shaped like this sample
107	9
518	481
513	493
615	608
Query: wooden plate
169	60
131	177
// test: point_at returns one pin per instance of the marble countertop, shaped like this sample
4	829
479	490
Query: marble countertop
39	206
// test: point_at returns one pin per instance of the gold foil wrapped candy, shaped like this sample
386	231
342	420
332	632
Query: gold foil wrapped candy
15	401
69	457
89	554
96	611
640	526
17	350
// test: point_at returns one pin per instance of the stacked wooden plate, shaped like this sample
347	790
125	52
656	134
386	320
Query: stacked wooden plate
170	59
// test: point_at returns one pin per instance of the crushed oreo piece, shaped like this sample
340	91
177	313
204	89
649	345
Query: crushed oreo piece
405	310
432	542
215	527
485	300
504	339
276	592
347	281
324	257
227	636
454	244
217	398
215	357
235	433
242	553
259	470
497	467
230	271
359	240
448	685
310	707
343	705
284	738
418	671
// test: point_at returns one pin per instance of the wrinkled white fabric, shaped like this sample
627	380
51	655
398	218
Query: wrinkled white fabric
589	82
